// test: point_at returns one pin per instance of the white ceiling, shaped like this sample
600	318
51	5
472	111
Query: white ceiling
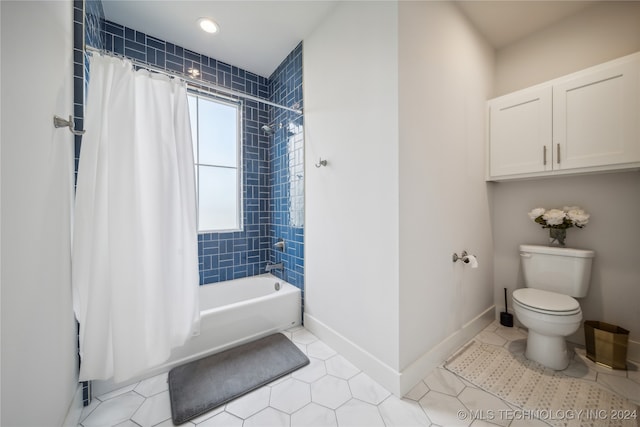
254	35
257	35
504	22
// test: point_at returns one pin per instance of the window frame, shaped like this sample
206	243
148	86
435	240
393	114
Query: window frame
238	105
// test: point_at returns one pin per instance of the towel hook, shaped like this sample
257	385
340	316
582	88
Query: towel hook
59	122
321	163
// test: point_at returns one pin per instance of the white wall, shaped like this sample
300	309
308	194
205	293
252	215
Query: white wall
395	103
404	187
597	34
38	330
351	224
446	73
0	226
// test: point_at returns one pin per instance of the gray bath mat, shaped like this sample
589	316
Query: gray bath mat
202	385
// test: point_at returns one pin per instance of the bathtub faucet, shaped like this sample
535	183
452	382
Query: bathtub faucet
278	266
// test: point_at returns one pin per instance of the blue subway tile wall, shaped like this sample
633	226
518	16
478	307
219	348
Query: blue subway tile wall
273	170
87	15
286	180
222	256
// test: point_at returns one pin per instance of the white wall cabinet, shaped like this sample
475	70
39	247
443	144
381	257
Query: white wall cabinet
588	121
520	132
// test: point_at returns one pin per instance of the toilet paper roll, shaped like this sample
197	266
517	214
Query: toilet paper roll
471	260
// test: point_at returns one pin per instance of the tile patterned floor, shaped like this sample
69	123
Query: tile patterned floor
330	391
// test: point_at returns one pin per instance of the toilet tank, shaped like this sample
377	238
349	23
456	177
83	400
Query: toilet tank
563	270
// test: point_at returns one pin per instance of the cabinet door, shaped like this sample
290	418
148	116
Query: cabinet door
520	132
596	117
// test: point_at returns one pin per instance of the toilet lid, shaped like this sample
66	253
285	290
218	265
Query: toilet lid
546	301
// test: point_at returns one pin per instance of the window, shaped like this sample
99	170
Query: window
215	127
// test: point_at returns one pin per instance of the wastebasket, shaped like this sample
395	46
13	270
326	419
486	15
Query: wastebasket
606	344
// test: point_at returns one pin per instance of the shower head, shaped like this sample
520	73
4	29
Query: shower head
271	128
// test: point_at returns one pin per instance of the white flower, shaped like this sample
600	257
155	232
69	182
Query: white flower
554	216
578	216
564	218
535	213
570	208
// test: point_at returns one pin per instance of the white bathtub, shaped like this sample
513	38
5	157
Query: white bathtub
231	313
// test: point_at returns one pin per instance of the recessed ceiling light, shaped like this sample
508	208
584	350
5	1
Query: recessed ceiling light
208	25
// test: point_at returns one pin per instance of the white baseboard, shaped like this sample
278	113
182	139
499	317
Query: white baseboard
413	373
398	383
362	359
75	409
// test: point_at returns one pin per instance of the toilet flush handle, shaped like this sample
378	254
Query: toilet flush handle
525	255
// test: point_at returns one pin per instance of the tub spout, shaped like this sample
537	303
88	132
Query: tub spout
278	266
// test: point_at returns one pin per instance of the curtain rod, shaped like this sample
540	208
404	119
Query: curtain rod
189	80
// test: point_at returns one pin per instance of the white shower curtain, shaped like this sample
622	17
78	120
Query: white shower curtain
135	254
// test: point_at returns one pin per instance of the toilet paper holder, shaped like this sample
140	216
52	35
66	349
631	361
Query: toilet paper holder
464	257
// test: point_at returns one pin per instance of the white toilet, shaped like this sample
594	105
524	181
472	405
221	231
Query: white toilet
553	277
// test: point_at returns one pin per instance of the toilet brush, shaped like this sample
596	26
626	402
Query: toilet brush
506	318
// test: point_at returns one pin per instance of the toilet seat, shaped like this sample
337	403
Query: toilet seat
546	302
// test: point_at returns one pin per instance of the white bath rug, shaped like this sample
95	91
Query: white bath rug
542	393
